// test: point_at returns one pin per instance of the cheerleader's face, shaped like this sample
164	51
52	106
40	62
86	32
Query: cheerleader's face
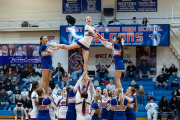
128	91
98	89
105	92
44	40
88	20
64	90
50	91
114	40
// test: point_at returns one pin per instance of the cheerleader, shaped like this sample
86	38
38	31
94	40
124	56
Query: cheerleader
84	43
53	107
33	95
46	64
104	101
43	105
132	104
111	112
95	108
62	109
118	105
116	47
71	99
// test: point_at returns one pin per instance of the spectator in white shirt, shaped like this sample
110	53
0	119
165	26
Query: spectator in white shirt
110	86
34	77
38	70
115	22
56	89
145	21
24	93
134	22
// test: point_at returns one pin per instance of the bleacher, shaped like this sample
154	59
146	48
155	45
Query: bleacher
141	114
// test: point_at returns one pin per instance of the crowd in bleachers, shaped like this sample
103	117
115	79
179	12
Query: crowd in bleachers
11	78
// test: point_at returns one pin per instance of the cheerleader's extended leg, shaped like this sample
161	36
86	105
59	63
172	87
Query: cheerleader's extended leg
70	47
117	79
86	57
47	82
45	77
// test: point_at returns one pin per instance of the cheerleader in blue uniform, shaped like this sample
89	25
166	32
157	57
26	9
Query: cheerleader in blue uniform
116	47
104	101
46	64
111	112
132	104
71	99
95	108
118	105
84	43
43	105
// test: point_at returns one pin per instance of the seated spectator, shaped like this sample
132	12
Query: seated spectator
151	109
110	86
17	69
15	78
174	106
145	21
140	95
55	90
5	69
24	93
9	87
3	86
134	85
2	77
9	73
115	22
19	107
38	70
34	77
160	82
165	72
30	69
59	72
131	71
174	80
172	69
134	22
4	100
144	70
27	107
51	84
65	80
177	93
164	107
25	76
77	70
16	94
102	72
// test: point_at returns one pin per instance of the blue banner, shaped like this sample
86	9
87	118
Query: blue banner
136	5
71	6
133	35
91	6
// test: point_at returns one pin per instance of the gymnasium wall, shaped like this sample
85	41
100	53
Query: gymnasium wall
45	12
164	54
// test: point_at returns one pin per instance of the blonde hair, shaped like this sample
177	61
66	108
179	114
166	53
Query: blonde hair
97	97
119	92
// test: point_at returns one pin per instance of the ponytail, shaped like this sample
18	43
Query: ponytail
40	45
37	102
99	109
120	43
67	89
32	87
135	105
121	98
83	107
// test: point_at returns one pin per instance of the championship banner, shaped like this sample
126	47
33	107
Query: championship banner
91	6
19	54
133	35
147	54
137	5
74	56
71	6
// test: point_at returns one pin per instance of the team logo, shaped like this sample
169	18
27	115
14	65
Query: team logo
156	38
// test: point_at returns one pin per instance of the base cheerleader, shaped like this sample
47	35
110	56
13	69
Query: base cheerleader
111	112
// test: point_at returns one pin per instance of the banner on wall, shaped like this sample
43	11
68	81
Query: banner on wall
19	54
91	6
133	35
74	56
71	6
136	5
147	54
